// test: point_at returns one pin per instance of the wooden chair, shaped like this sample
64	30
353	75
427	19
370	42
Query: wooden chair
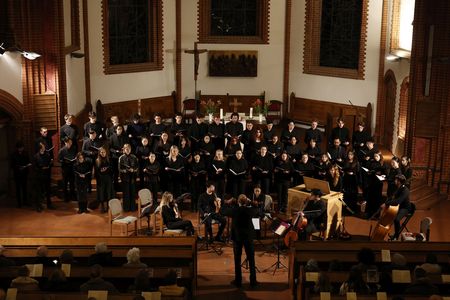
163	228
189	109
144	200
269	207
274	111
116	216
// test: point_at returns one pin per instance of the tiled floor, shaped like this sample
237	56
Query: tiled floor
214	272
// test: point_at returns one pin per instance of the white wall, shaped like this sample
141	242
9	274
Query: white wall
121	87
11	74
335	89
75	77
270	58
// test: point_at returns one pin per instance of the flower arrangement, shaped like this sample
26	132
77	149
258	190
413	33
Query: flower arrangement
260	107
211	106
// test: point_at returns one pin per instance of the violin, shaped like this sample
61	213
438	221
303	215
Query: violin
387	217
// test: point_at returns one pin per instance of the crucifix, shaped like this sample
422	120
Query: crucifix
196	52
235	104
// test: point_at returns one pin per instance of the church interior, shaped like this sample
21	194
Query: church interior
383	63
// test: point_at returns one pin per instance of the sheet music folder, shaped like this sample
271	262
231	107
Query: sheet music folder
312	183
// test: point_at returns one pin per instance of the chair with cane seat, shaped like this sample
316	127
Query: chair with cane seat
116	216
144	200
163	228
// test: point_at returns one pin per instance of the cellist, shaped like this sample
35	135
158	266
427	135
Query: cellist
315	212
401	198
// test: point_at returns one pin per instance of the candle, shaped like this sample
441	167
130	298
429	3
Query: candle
251	112
221	113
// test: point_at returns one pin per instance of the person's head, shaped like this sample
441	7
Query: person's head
316	194
102	152
115	120
92	134
366	256
369	144
249	126
178	118
197	157
238	154
144	141
217	119
314	124
351	155
431	258
400	180
127	149
157	118
210	188
378	157
305	158
242	200
57	275
324	157
68	118
66	257
258	133
275	139
269	126
42	251
334	171
291	124
174	151
92	116
293	140
263	151
337	142
340	122
405	161
219	155
152	157
23	271
284	156
395	162
96	271
134	255
419	273
206	139
166	198
257	190
101	248
164	137
312	266
142	280
171	277
80	157
119	130
136	118
361	126
68	142
199	118
43	131
234	117
184	141
312	143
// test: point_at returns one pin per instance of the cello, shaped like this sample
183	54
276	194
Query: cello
387	217
298	226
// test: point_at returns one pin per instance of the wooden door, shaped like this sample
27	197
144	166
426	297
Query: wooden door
390	88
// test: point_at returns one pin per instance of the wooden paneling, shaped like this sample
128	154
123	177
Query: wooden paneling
244	102
45	111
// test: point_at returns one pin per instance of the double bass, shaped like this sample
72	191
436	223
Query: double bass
387	217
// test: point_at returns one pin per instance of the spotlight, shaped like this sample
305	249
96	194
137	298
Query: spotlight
30	55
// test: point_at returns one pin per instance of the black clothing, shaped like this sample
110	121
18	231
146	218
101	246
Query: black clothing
373	187
90	148
231	149
135	132
128	167
116	143
359	139
390	178
103	259
315	213
338	155
274	149
268	135
177	131
47	141
262	172
82	177
313	134
335	186
175	174
151	177
242	234
42	164
217	133
6	262
234	130
301	170
70	131
322	170
98	284
67	158
407	172
110	131
105	188
350	183
20	163
237	171
342	133
294	151
196	134
283	174
216	173
155	131
314	153
286	135
142	153
172	222
97	126
207	211
401	198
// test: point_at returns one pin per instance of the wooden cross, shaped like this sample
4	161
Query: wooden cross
196	53
235	104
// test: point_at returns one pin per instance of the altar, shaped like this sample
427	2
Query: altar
298	195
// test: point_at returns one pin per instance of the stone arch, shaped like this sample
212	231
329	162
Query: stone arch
11	105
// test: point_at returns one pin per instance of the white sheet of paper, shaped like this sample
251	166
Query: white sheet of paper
66	269
11	294
99	295
365	169
386	255
35	270
151	295
351	296
381	296
256	225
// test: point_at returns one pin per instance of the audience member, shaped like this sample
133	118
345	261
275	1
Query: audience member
57	282
431	266
366	260
134	259
141	282
97	283
102	256
354	283
323	284
4	261
421	284
66	257
24	282
171	288
312	266
42	256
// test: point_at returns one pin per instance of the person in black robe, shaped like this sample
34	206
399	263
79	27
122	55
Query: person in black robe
293	149
128	168
405	167
20	164
234	128
360	138
258	200
116	143
197	171
216	173
232	147
217	132
178	129
42	165
90	149
156	129
185	149
322	167
162	148
313	133
67	158
135	131
262	170
142	152
237	172
197	131
256	143
337	152
209	208
351	180
303	167
401	198
246	139
341	132
104	176
69	130
394	170
289	132
82	168
368	152
170	215
111	130
269	132
151	170
275	147
206	149
334	178
46	140
283	174
175	170
95	125
373	186
242	234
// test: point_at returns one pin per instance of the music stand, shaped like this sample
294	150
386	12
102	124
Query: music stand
146	212
205	243
279	231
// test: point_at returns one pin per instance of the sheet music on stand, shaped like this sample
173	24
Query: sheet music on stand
282	228
256	223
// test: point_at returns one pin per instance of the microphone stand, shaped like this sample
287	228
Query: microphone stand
344	231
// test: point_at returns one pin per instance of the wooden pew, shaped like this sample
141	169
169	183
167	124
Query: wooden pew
78	296
160	253
346	252
367	297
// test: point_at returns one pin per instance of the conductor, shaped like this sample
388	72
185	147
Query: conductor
242	234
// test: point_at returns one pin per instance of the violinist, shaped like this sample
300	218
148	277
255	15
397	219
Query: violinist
171	217
394	170
209	207
401	198
242	234
315	213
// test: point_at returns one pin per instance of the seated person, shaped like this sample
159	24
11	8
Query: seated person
366	260
23	282
57	282
102	256
421	284
134	259
208	207
141	282
355	283
171	288
170	215
431	266
97	283
66	257
4	261
258	200
315	212
42	257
